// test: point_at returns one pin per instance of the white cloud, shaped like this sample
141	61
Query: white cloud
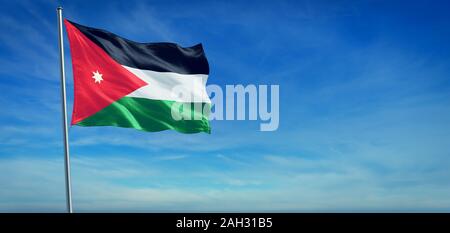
107	184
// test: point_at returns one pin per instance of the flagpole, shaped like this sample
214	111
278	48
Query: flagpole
64	111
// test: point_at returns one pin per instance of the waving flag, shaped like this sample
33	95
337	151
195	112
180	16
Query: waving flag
118	82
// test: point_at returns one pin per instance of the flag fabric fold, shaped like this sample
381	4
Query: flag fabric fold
146	86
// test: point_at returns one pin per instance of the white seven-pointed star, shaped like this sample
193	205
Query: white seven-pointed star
97	77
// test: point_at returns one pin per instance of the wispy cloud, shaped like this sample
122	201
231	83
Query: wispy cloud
100	185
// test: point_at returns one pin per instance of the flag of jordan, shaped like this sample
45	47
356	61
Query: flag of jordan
146	86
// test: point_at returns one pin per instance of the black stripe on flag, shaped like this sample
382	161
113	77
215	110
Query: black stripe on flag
161	57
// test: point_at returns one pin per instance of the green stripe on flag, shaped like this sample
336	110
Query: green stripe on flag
150	115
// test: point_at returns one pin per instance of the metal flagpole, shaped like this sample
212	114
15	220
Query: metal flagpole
64	110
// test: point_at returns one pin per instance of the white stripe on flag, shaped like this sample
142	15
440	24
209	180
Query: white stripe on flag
161	86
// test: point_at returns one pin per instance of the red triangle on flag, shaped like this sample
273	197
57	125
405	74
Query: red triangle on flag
98	79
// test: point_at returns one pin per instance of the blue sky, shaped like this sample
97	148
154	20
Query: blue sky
364	110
